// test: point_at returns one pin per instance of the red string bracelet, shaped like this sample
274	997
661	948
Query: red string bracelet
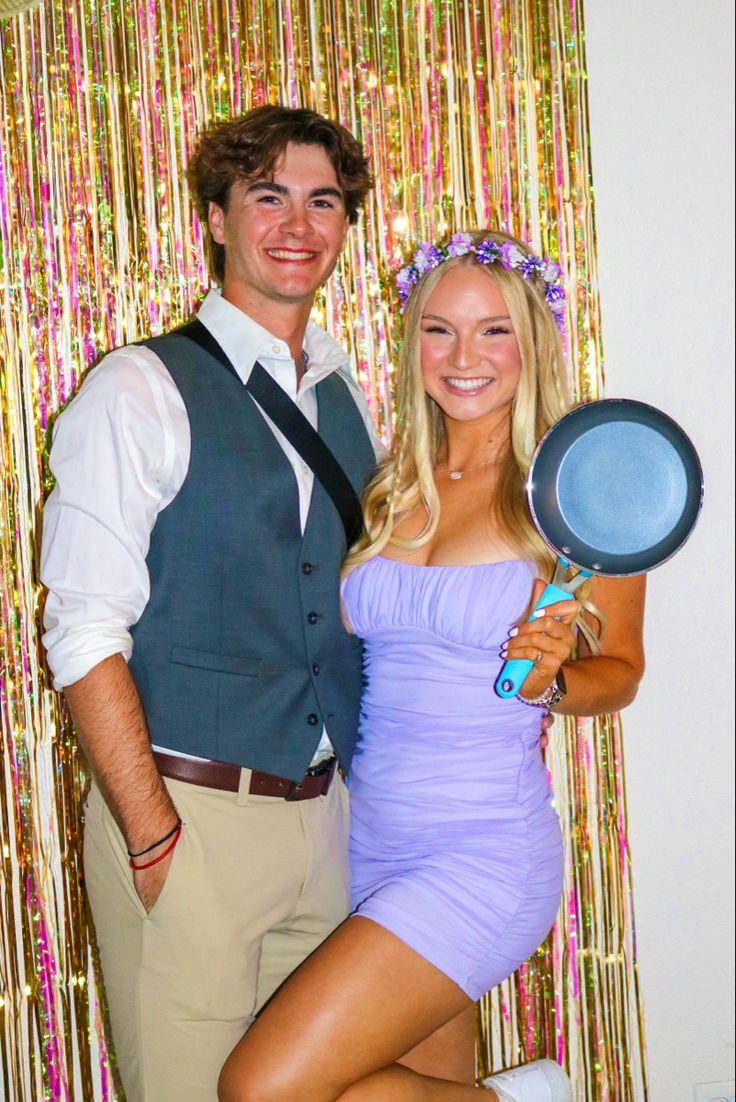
167	851
159	842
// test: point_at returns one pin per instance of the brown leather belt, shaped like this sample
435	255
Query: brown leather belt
218	774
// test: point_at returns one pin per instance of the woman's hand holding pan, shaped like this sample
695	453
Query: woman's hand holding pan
546	640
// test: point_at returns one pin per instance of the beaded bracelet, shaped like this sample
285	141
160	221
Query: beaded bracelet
551	696
172	832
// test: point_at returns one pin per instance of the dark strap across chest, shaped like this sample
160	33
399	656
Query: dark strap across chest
295	427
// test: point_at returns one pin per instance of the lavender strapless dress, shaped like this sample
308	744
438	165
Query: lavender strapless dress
455	846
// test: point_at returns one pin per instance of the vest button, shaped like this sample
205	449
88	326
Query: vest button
307	568
312	719
312	617
315	669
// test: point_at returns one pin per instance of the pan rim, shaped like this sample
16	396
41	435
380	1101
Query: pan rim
633	411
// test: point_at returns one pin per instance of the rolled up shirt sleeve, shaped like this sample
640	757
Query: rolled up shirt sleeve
118	460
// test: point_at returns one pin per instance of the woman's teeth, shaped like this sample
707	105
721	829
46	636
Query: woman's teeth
467	385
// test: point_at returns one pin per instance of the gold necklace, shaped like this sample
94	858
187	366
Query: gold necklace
457	475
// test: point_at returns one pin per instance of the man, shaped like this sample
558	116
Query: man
193	620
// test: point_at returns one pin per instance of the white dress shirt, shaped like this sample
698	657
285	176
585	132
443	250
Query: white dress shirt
120	454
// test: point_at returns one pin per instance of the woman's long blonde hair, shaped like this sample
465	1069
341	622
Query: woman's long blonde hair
405	479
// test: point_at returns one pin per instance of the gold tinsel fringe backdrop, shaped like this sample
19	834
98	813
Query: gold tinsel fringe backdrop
474	113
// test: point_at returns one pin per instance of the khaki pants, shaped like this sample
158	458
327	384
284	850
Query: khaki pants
255	884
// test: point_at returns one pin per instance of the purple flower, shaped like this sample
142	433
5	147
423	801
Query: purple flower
552	271
557	307
426	257
554	294
530	266
487	251
435	256
406	279
511	255
460	244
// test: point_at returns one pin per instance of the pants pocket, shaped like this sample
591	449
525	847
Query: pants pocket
105	854
173	876
101	829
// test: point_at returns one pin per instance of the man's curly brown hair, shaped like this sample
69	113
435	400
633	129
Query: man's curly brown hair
247	148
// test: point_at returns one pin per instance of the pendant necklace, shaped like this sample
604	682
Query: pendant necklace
457	475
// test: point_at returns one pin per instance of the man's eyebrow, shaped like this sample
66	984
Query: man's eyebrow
269	185
318	191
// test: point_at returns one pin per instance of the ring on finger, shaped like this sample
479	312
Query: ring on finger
538	659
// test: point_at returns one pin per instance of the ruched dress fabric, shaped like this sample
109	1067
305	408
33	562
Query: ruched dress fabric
455	846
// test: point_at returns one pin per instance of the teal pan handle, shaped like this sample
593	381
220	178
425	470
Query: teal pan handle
513	673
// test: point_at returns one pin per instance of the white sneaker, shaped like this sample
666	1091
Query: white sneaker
540	1081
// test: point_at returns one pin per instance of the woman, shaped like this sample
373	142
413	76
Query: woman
456	852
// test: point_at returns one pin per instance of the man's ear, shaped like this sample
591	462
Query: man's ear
215	221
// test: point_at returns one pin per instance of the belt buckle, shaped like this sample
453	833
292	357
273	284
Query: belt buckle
297	787
294	790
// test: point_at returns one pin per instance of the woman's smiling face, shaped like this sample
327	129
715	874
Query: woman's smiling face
470	357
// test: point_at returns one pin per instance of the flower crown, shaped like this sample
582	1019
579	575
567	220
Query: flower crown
507	254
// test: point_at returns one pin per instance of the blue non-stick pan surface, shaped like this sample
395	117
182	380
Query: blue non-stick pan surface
615	487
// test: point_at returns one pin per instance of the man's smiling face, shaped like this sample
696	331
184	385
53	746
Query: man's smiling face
282	236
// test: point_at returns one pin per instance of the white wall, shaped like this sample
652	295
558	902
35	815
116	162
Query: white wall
660	87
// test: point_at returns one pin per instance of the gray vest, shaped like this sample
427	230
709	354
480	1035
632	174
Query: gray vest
240	654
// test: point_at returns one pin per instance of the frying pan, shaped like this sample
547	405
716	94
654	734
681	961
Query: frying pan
615	488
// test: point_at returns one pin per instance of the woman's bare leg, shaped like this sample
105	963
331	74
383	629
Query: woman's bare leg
449	1053
337	1028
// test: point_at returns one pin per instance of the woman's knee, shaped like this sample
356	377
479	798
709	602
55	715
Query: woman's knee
237	1084
240	1082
